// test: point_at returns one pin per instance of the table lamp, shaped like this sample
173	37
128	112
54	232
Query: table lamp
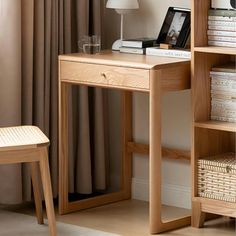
122	7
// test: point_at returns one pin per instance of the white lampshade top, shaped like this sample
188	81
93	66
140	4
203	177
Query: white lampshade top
122	4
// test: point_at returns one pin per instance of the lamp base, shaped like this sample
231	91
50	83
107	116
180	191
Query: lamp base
116	45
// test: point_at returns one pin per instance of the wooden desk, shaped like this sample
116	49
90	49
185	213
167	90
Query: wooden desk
154	75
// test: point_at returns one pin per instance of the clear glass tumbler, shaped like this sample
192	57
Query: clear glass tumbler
89	44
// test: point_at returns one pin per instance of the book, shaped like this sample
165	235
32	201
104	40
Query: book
223	104
221	28
221	44
223	81
224	88
175	29
222	118
221	33
179	53
139	42
223	84
222	23
222	38
223	95
221	111
221	12
133	50
222	18
223	92
224	113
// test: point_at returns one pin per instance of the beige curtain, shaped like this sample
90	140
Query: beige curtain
32	34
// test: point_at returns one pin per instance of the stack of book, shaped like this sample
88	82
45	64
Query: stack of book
223	93
178	53
137	46
222	28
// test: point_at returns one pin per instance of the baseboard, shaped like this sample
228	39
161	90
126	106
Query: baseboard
172	195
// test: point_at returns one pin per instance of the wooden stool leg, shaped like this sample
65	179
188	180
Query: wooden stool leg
47	188
36	189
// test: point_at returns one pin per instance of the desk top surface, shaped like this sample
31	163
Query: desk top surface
124	60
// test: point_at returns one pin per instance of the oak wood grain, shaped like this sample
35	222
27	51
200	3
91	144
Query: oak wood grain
109	76
168	153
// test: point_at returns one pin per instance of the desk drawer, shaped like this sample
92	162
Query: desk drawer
108	76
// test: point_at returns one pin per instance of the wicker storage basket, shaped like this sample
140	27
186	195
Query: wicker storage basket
217	177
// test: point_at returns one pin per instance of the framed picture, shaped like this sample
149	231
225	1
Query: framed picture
176	27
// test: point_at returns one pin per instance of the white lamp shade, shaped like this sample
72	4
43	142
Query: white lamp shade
122	4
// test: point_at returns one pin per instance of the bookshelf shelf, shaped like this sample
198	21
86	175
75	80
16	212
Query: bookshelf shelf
216	125
217	50
216	207
210	137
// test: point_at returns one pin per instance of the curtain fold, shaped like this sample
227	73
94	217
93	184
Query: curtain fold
32	35
10	91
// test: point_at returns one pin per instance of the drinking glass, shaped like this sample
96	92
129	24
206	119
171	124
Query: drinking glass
90	44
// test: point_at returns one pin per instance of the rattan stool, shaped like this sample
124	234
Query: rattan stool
23	144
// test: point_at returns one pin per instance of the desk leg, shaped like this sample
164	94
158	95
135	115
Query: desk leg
126	138
63	147
125	192
155	151
156	224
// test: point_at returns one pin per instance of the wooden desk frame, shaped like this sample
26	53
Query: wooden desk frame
172	75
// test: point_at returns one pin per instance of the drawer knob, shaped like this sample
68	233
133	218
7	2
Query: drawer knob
103	75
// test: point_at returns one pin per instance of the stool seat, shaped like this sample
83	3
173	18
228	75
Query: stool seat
28	144
21	137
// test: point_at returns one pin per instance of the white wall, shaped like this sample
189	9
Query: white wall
176	116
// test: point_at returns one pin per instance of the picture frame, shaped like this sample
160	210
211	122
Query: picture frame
175	29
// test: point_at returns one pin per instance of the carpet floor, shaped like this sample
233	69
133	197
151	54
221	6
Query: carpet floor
15	224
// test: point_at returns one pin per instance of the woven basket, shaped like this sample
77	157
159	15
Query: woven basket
217	177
